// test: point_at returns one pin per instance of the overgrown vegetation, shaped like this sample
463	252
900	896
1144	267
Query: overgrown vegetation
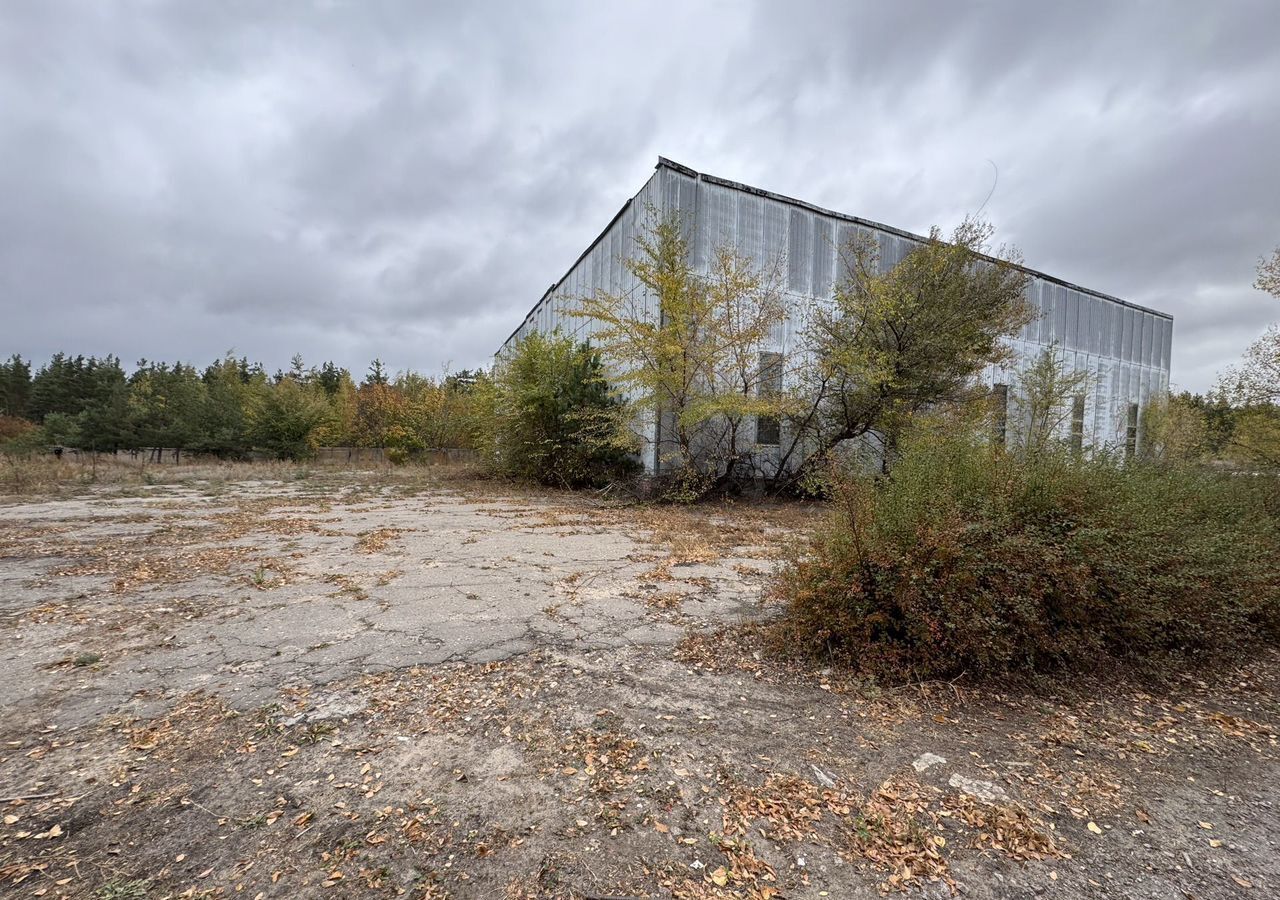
548	414
695	365
969	558
695	350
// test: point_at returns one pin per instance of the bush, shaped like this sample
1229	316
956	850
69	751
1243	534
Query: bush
548	414
970	559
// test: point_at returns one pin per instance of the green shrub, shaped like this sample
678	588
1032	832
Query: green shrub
548	414
970	559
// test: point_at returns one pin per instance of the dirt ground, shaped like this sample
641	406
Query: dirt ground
275	682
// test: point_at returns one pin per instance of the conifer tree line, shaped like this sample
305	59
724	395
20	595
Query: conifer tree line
229	408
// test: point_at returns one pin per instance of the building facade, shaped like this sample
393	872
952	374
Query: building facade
1125	348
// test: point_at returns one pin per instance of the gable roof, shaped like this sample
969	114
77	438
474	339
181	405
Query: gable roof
664	163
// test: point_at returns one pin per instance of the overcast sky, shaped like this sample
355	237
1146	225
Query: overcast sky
358	179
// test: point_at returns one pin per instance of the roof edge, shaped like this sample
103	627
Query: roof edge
583	255
664	162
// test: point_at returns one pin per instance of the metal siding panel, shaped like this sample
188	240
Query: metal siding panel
721	219
824	256
1104	327
846	236
700	249
1126	333
1049	303
1028	330
1035	328
750	227
1095	324
799	251
1072	319
775	233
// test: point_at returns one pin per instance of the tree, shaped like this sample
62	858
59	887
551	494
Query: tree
1176	428
1048	396
381	416
1256	437
1257	378
377	374
916	336
15	387
692	360
438	411
61	429
330	377
230	392
1268	279
165	405
339	429
552	417
284	419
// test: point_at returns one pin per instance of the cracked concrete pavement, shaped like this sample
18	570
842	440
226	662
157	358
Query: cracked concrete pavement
321	585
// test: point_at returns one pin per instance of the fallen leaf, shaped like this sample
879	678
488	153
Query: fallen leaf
1142	814
1093	826
660	828
720	877
1243	882
1207	826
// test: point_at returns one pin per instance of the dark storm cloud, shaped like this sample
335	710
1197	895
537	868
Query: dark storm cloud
404	180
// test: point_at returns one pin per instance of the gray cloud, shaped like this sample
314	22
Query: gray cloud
404	180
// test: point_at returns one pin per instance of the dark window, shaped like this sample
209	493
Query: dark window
1077	422
1131	433
999	413
768	428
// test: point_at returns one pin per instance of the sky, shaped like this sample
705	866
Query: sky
403	180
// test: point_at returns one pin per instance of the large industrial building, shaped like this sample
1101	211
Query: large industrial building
1124	347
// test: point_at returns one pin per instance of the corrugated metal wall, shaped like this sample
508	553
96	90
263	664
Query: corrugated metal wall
1125	349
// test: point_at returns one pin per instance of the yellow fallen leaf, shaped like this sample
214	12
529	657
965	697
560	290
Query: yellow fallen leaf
940	840
720	877
1243	882
1093	826
1207	826
1214	842
10	819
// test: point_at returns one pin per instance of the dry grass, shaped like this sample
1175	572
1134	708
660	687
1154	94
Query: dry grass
49	476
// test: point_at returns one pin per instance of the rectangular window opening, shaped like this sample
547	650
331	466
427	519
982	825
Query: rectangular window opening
769	428
1077	423
999	413
1131	432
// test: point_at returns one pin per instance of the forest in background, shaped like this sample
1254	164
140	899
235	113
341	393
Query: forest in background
230	408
